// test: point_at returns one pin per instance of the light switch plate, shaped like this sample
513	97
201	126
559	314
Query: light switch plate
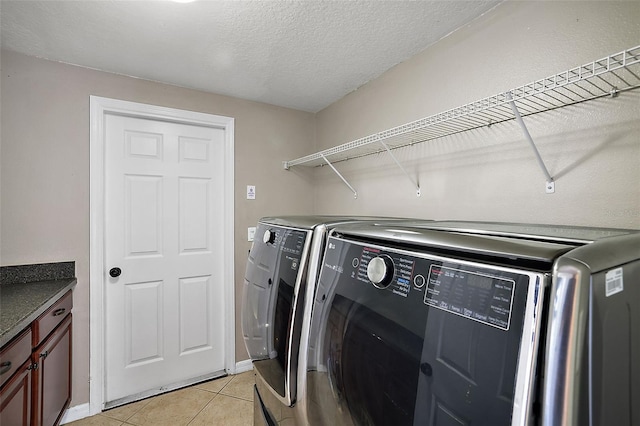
251	233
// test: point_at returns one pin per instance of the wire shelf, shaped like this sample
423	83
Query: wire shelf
605	77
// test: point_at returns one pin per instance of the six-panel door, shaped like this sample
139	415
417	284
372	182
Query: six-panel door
164	227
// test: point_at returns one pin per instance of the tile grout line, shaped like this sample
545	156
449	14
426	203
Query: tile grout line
219	393
148	401
237	397
215	394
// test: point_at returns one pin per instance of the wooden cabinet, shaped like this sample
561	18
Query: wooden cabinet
15	398
38	391
15	381
52	379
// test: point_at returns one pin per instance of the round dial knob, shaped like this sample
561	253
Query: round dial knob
380	271
269	237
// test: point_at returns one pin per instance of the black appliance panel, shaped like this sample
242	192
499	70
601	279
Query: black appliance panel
438	346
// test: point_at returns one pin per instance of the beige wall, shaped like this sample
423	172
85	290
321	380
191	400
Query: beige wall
45	170
592	149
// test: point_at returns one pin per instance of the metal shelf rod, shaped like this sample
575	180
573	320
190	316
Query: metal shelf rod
355	193
416	185
527	135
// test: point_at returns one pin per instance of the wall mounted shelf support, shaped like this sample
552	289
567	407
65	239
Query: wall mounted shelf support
415	184
549	186
355	193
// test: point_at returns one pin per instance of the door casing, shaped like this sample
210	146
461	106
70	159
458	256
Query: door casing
99	107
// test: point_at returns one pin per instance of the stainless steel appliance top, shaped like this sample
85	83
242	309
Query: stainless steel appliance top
310	222
560	233
507	240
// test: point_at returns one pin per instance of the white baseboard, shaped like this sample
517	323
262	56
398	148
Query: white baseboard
243	366
76	413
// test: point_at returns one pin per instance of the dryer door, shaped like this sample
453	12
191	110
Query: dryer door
275	269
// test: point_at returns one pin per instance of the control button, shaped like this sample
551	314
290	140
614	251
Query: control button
355	262
380	271
426	369
418	281
269	237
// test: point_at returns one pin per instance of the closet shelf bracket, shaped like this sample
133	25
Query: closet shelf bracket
355	193
415	184
550	184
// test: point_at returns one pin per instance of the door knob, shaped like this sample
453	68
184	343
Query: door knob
115	272
426	369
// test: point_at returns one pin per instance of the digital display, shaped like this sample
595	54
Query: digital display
291	244
480	281
478	296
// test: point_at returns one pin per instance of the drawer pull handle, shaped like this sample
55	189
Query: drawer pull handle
5	366
59	312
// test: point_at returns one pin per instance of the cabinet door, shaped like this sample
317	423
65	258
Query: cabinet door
52	384
15	398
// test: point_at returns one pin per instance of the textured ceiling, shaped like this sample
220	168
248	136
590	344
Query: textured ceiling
297	54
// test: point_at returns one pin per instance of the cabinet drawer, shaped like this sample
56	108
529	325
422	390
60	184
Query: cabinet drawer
51	318
14	354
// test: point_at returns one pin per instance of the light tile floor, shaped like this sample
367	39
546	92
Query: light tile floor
225	401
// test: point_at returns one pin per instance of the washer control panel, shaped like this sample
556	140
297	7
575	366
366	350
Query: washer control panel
384	269
380	271
475	291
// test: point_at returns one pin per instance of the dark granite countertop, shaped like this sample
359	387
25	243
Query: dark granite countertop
21	303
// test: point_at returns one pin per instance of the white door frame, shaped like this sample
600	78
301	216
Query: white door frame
99	107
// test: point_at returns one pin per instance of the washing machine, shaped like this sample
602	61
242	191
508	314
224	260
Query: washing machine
460	323
282	268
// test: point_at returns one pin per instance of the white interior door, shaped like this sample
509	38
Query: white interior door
164	221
